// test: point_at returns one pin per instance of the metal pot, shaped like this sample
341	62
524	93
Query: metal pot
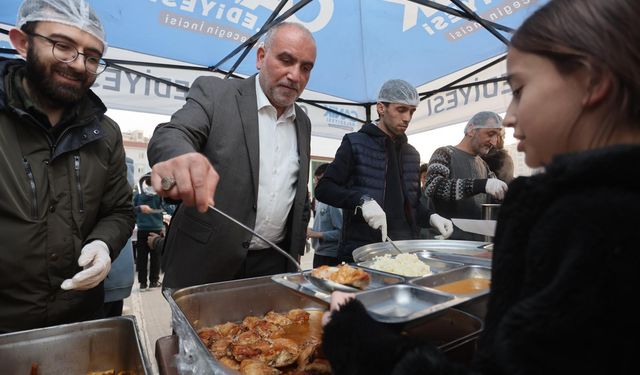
454	250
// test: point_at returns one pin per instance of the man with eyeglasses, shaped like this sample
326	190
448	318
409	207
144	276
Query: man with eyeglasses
66	205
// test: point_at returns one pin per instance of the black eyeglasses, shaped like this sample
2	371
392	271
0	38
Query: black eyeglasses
67	53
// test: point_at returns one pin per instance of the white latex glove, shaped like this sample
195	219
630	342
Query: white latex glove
496	188
95	259
375	217
444	226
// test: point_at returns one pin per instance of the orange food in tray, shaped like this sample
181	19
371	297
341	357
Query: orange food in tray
278	343
343	274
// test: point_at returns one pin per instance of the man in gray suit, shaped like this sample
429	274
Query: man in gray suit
248	143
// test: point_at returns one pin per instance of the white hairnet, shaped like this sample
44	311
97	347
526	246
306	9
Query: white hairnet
481	120
77	13
398	91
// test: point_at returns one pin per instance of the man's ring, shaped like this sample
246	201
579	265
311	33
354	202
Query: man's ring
167	183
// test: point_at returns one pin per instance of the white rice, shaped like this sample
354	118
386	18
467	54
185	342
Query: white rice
401	264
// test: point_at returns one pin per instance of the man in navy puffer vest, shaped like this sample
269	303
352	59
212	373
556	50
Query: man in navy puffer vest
375	177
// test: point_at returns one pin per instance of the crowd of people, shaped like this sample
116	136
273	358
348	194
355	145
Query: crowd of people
564	261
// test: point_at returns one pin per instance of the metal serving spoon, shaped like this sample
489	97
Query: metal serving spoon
327	285
395	247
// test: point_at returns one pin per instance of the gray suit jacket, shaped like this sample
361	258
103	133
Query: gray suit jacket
220	120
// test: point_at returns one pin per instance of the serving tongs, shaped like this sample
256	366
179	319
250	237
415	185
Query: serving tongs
324	284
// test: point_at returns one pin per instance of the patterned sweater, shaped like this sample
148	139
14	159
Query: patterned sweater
456	184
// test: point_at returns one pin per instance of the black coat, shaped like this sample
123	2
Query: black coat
60	188
565	271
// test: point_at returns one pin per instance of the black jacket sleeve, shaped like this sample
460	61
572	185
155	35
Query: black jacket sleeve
356	344
333	187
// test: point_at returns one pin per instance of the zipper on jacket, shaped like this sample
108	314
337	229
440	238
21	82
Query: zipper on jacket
76	168
32	184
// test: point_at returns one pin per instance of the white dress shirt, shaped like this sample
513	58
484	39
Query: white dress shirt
279	165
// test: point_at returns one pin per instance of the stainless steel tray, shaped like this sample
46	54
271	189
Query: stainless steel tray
404	303
459	274
436	265
202	306
77	348
297	282
450	250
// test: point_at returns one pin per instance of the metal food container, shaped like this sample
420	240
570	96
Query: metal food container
477	301
460	274
75	349
299	283
203	306
435	265
471	252
403	303
453	331
206	305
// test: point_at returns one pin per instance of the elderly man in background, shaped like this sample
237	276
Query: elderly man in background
66	203
375	177
459	181
248	142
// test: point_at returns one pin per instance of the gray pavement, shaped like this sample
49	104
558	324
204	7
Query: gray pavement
153	314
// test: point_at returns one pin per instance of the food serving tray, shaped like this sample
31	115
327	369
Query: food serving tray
299	283
468	252
202	306
75	349
436	265
468	273
403	303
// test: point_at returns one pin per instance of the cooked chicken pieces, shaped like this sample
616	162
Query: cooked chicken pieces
253	367
343	274
283	353
279	319
298	316
261	346
229	362
228	329
308	352
268	330
221	348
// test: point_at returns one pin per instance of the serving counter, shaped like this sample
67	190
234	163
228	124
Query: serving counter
75	349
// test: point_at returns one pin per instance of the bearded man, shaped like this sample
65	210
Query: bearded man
66	205
459	182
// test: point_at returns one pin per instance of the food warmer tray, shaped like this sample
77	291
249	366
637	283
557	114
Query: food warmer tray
206	305
76	348
299	283
468	252
435	265
202	306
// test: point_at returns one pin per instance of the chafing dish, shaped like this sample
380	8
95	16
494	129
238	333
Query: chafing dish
468	252
206	305
75	349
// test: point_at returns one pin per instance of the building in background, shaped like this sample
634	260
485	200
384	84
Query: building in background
135	146
519	166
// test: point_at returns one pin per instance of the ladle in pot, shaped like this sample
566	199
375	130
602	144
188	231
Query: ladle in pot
327	285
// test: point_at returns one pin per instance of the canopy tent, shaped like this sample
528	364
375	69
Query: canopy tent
361	44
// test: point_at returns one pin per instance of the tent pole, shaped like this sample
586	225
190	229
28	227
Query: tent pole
266	25
471	74
481	21
255	37
457	13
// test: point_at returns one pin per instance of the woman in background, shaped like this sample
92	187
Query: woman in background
566	256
